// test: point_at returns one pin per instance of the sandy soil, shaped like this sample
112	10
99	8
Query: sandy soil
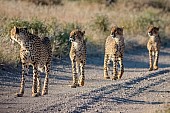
139	91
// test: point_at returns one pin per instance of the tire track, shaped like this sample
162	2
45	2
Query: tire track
118	93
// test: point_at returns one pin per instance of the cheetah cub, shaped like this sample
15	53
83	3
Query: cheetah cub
114	51
78	57
153	46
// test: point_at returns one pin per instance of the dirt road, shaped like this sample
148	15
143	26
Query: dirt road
139	91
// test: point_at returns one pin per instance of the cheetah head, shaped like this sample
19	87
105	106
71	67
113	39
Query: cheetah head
76	35
17	34
153	31
116	31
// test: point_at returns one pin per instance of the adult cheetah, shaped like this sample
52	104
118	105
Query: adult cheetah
78	57
36	52
114	51
153	46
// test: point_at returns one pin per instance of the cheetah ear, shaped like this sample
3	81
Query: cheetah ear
157	28
32	31
122	28
114	26
25	29
16	30
76	31
149	26
83	32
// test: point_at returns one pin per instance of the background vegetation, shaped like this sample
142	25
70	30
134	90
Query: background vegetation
56	18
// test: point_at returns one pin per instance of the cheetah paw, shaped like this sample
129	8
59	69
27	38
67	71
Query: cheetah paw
19	94
44	92
115	78
155	67
81	83
73	86
150	69
106	77
35	94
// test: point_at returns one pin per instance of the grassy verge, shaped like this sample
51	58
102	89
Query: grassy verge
56	22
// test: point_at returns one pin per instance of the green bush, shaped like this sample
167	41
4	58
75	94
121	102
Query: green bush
101	23
106	2
161	4
38	28
90	1
35	26
45	2
60	40
58	34
9	53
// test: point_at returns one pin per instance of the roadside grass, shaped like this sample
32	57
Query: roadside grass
57	21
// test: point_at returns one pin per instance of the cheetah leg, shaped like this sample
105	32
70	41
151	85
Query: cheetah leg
115	77
150	61
24	73
106	58
77	67
121	67
82	77
156	60
46	80
38	85
34	86
75	78
77	71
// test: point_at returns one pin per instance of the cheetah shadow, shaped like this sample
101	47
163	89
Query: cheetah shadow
131	59
100	94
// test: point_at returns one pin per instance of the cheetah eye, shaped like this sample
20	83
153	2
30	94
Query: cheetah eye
155	31
119	29
151	30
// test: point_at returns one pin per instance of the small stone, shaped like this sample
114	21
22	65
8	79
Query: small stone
96	110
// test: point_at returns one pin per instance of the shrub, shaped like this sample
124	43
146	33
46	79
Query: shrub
90	1
101	23
58	34
60	38
9	53
14	22
161	4
137	24
45	2
38	28
106	2
35	26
